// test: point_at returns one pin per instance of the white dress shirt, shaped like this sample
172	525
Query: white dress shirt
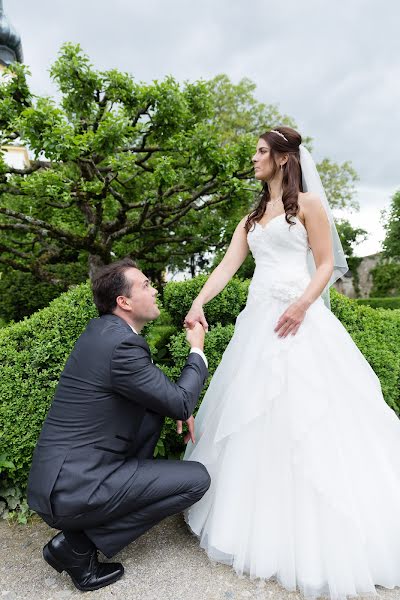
196	350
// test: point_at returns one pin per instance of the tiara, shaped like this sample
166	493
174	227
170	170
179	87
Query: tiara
279	133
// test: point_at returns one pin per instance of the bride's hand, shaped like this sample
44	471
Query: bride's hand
290	320
195	314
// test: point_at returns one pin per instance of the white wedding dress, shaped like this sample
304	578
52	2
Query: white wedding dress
302	450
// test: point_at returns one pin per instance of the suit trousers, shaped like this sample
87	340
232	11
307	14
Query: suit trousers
157	489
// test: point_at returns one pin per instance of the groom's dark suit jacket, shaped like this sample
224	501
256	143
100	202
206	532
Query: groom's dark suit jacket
87	444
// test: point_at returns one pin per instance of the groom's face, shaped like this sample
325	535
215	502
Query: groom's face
142	296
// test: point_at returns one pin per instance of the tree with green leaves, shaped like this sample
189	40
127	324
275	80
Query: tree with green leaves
350	237
386	275
122	167
391	243
159	171
118	167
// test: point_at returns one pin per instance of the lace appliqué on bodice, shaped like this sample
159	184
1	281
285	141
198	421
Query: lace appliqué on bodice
280	252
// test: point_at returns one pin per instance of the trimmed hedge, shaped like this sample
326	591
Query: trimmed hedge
178	297
386	280
22	294
33	353
388	302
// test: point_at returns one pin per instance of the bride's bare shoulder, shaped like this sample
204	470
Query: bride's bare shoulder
243	220
308	198
308	201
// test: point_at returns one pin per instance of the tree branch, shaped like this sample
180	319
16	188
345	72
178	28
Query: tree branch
45	229
165	240
140	149
14	264
34	166
218	200
24	255
15	227
58	205
11	189
140	112
140	163
184	207
38	224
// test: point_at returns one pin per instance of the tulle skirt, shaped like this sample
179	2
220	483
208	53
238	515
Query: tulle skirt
304	458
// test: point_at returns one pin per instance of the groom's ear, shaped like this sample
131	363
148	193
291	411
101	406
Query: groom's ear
124	301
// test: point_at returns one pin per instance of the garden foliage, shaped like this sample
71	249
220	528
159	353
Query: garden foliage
33	353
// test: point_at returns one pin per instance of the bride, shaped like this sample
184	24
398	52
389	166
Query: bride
303	451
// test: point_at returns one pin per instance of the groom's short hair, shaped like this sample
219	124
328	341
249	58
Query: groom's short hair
110	282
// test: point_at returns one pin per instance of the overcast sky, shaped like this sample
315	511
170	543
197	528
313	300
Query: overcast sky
333	67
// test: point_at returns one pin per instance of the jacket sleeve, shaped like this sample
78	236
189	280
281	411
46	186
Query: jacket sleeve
134	376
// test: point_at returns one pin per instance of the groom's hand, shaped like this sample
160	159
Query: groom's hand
190	426
195	336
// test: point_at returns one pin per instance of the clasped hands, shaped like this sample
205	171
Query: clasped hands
194	316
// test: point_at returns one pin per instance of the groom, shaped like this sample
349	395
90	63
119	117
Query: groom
93	475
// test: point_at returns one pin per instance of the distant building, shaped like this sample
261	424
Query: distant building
10	52
345	285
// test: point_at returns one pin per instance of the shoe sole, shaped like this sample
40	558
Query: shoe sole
49	558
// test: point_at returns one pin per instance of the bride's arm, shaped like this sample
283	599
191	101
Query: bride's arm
319	236
320	239
234	257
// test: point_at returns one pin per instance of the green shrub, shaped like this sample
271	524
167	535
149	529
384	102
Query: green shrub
158	338
22	294
392	302
33	353
386	280
178	297
158	334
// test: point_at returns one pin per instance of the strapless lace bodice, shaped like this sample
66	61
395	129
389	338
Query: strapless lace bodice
280	252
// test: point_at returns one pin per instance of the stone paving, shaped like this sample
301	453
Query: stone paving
164	564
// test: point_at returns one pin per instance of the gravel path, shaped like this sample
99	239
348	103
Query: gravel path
164	564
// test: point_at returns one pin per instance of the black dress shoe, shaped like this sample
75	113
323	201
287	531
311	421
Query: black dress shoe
84	569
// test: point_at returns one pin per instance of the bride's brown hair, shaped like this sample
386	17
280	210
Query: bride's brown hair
292	180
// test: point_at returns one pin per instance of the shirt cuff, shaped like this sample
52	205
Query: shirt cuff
203	356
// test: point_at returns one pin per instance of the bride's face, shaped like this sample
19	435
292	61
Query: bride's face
264	167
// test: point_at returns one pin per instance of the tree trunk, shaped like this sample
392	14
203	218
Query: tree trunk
95	263
192	266
157	277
